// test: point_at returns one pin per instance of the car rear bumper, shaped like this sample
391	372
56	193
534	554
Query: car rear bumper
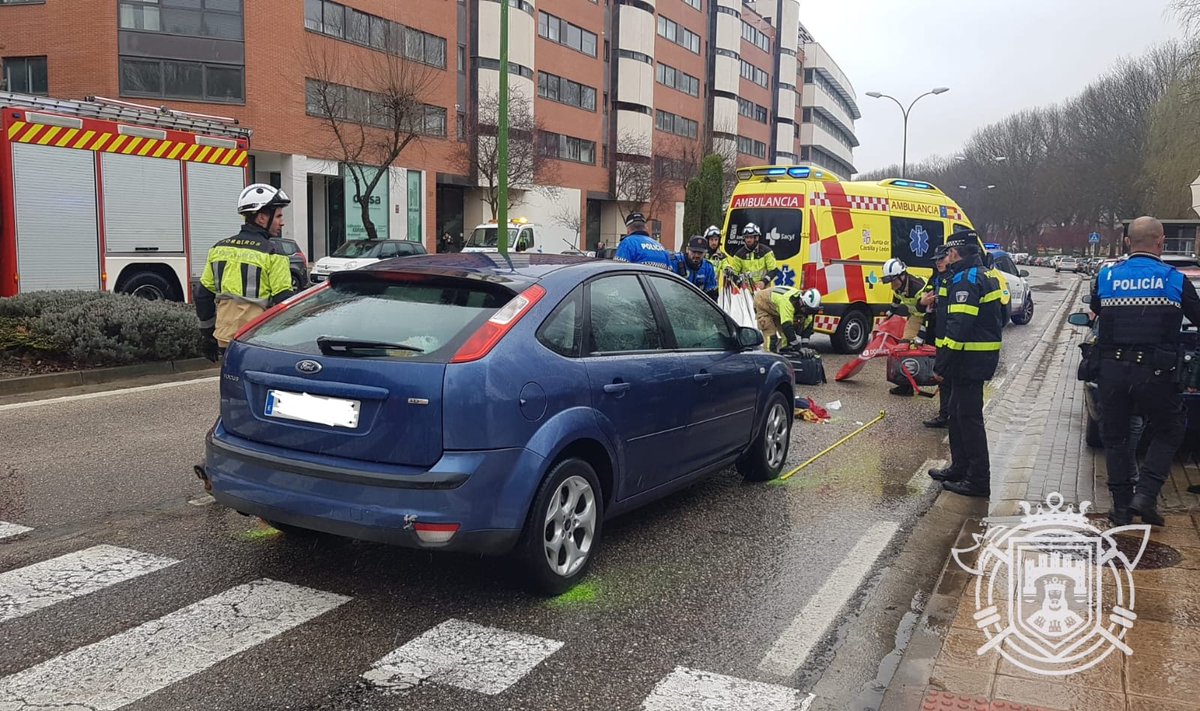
487	493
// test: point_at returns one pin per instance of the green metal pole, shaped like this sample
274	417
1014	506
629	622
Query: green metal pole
502	136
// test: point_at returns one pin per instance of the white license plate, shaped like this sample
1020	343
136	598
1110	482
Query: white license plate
328	411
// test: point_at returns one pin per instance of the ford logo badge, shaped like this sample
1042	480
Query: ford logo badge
308	367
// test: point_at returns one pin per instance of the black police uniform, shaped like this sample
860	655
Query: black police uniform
1141	302
969	323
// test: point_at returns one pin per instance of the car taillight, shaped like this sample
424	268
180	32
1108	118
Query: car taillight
489	334
302	257
278	309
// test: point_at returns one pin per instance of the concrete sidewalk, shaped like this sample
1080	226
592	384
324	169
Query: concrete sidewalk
1036	431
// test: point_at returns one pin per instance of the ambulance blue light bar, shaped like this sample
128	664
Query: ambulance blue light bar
798	172
912	184
991	245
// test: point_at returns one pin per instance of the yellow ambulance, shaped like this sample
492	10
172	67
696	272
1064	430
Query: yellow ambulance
835	235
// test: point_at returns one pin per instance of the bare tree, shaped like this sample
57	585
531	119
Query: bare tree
529	167
372	105
633	177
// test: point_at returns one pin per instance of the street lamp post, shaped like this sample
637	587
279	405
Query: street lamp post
502	139
905	112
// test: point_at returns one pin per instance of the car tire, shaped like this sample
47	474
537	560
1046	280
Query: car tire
297	282
768	452
1092	434
853	332
1026	314
149	286
568	507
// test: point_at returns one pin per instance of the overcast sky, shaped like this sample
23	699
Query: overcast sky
997	56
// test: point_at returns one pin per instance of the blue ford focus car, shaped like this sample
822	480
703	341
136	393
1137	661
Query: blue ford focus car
456	402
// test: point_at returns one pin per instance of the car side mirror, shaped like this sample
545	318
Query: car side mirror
1023	273
749	338
1079	319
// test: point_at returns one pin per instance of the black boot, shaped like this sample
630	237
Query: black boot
1145	506
947	474
1120	514
938	422
966	488
901	390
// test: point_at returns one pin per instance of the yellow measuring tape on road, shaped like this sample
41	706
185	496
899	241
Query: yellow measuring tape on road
835	445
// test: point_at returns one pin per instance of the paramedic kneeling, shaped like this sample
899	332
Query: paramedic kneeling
1141	302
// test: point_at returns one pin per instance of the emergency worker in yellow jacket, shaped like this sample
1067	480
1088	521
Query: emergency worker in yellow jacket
245	274
754	263
780	310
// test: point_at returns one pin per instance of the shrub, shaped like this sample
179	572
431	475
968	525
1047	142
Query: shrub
98	328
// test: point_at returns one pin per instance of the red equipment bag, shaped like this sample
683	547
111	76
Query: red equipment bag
911	365
884	336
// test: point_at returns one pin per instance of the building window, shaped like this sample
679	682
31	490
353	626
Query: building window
678	125
194	81
751	110
460	121
556	145
749	146
831	127
565	91
693	3
513	67
221	19
344	23
636	56
679	35
673	169
754	74
462	59
560	31
26	75
22	2
753	35
677	79
368	107
830	88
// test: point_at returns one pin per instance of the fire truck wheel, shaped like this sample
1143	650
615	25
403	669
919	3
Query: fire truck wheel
149	286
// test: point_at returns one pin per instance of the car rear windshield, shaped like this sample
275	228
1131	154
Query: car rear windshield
426	320
356	248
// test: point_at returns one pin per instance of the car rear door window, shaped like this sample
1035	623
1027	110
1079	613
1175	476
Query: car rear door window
428	319
563	329
621	319
692	318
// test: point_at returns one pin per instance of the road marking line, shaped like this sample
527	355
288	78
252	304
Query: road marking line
920	479
132	665
465	655
73	575
107	393
693	690
792	647
8	530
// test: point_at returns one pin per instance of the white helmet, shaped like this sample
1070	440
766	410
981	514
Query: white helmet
260	196
712	231
751	229
811	298
893	268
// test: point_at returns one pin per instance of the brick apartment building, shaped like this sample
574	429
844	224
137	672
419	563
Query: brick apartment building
614	84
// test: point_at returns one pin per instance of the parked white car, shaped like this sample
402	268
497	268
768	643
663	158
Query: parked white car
1067	264
1020	305
361	252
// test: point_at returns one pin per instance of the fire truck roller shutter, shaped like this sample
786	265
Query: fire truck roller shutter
58	241
212	192
143	204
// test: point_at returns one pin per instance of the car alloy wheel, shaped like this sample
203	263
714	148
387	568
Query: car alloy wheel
569	526
776	435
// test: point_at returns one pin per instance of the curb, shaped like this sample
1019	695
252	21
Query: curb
74	378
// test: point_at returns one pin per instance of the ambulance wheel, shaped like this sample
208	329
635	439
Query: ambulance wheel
853	332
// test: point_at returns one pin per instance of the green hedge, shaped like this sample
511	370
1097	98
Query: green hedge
98	328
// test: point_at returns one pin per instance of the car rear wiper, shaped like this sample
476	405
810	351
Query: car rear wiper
350	346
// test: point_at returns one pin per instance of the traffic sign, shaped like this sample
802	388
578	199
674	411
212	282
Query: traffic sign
1094	238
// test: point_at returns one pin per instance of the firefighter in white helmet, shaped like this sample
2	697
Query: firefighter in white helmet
787	317
906	296
245	274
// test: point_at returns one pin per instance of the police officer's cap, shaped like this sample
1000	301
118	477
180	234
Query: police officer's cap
635	217
697	244
961	238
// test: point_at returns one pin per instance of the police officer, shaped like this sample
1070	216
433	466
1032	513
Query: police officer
906	292
638	247
1141	303
969	323
715	255
778	310
928	303
754	262
245	274
693	266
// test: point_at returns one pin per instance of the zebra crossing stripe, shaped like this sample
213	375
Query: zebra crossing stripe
73	575
693	690
8	530
132	665
465	655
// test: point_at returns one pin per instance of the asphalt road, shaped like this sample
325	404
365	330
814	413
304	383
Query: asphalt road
129	592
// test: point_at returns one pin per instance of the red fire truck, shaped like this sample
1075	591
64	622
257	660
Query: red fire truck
105	194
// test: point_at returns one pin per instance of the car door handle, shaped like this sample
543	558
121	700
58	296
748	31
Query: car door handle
703	378
616	388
